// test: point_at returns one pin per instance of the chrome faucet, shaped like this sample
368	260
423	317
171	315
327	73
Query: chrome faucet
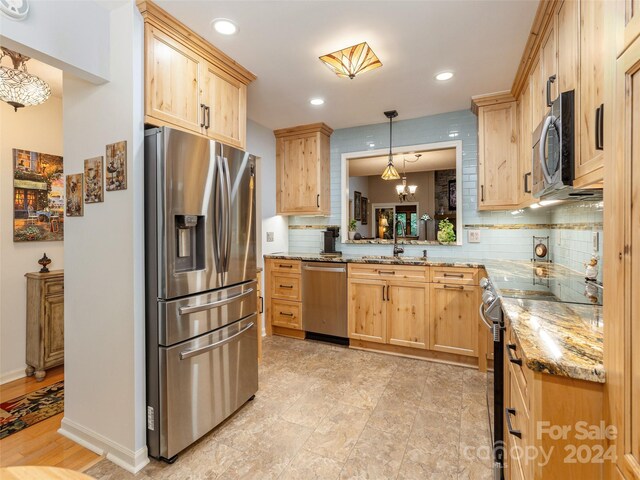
397	249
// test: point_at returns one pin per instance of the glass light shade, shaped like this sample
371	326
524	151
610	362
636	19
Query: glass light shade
412	189
352	61
384	222
399	189
390	173
21	89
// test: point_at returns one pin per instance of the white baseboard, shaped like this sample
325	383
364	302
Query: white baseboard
123	457
13	375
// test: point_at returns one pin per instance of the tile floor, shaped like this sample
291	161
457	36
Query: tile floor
327	412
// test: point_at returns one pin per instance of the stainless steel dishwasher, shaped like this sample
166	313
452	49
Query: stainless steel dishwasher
324	301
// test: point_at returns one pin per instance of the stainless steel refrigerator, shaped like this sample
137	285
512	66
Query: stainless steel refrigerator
201	299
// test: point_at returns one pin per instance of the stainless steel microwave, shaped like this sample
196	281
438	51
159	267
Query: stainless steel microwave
554	150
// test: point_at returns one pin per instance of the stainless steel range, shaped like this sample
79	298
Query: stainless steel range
201	299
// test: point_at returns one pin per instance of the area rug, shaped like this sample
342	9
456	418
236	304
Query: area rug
29	409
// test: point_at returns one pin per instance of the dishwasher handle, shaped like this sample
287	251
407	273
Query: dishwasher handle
325	269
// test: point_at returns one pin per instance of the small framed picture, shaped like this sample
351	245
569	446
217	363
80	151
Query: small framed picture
452	195
116	166
364	210
75	199
357	205
93	180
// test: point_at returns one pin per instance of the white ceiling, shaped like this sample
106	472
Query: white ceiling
280	41
430	160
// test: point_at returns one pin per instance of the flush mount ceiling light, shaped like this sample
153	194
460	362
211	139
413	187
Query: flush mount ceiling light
390	172
224	26
442	76
17	86
316	101
352	61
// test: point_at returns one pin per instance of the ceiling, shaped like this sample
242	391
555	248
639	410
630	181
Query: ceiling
280	41
430	160
49	74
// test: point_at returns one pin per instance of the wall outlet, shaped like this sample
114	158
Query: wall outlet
474	236
270	236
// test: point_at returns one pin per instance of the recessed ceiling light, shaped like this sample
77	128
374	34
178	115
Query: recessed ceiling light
224	26
442	76
316	101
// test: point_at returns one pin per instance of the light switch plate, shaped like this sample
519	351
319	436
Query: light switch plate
474	236
596	241
270	236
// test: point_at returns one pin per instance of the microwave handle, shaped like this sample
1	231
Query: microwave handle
550	80
543	146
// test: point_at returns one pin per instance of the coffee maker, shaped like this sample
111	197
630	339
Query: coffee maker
330	235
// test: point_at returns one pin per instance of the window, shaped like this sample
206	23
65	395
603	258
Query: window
18	199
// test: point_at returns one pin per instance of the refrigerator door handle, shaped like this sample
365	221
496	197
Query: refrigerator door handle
208	306
227	237
218	210
198	351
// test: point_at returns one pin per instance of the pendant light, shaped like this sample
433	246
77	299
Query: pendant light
390	172
407	193
17	86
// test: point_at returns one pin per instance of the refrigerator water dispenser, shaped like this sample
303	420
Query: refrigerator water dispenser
189	243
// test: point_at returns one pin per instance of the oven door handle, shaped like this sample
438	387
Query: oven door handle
484	319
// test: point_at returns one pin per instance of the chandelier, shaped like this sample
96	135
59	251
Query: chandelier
390	172
352	61
407	192
17	86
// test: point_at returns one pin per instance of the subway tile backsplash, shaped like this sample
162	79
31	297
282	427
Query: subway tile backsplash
569	226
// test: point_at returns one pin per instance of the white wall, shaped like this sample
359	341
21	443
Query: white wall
38	129
72	35
104	265
262	143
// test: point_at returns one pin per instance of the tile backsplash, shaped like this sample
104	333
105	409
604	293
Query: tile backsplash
502	234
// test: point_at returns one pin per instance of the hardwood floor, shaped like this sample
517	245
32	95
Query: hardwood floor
41	444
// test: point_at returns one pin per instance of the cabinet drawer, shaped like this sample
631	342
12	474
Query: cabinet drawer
514	358
389	272
290	266
286	314
285	286
459	276
53	287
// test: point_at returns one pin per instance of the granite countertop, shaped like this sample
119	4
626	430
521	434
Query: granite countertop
380	259
557	338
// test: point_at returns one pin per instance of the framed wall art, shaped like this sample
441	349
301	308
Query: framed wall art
75	199
38	196
116	166
364	211
452	195
357	205
93	180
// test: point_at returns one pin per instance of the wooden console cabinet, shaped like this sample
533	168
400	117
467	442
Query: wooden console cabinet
45	322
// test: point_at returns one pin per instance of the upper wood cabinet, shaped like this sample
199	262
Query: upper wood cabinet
592	52
302	170
627	23
538	95
190	84
549	67
498	170
525	145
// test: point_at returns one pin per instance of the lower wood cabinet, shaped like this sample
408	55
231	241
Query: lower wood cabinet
454	319
45	322
368	310
408	314
283	295
286	314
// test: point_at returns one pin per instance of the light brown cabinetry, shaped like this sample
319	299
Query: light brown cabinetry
408	314
627	23
535	404
45	322
497	156
592	52
367	310
303	170
524	125
190	84
454	321
549	68
622	255
283	297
